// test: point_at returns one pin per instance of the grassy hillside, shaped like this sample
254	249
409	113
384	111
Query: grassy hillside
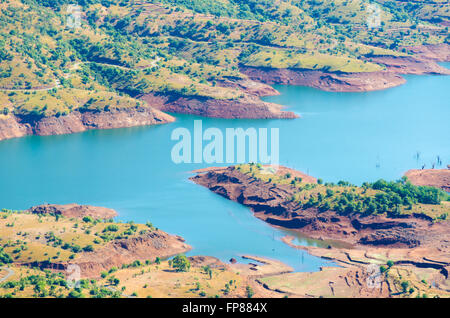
133	47
30	241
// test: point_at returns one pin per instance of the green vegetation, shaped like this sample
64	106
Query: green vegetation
4	257
30	243
207	269
250	292
36	283
127	48
181	263
33	239
381	197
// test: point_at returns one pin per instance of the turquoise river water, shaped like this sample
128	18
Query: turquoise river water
341	136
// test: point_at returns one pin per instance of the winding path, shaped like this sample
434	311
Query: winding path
8	275
56	85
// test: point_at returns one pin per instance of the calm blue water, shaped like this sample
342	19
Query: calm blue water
352	136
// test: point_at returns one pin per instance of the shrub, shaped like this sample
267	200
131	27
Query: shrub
75	294
111	228
250	292
88	219
88	248
405	286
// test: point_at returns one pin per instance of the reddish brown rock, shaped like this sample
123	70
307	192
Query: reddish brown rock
74	211
15	126
248	107
272	204
202	261
436	52
11	128
410	65
422	61
335	82
439	178
125	251
250	87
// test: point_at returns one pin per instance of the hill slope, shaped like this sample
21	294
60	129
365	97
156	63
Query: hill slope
204	56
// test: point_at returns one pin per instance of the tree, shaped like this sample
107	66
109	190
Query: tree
208	271
329	193
4	257
181	263
250	292
113	281
75	294
111	228
405	286
325	207
88	248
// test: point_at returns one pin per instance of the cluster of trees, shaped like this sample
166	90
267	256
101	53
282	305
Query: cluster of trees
407	193
44	285
51	284
4	257
390	197
57	4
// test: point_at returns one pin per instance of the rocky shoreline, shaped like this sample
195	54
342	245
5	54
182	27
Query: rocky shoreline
422	61
385	257
248	107
272	204
145	245
13	126
118	250
327	81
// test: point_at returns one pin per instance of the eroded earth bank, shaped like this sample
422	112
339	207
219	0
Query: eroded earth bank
421	60
399	227
45	248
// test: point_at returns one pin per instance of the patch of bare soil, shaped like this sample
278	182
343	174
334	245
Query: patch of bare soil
364	272
74	211
249	106
126	251
439	178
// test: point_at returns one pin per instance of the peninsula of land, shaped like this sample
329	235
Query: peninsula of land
395	232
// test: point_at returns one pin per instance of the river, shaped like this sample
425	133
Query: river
340	136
